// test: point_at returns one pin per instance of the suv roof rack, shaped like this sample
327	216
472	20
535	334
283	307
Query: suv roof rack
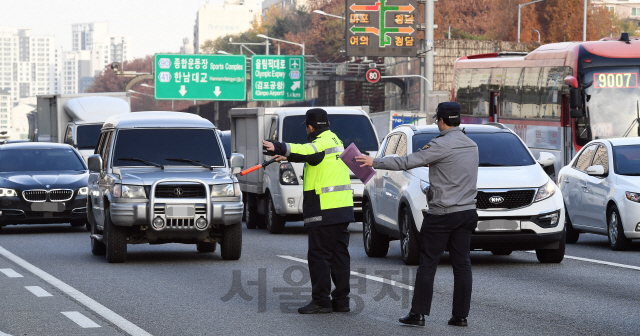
495	124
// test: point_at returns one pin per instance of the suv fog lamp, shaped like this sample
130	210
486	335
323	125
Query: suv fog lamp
158	223
546	191
291	202
201	223
552	219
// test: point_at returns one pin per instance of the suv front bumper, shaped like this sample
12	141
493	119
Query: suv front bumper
130	214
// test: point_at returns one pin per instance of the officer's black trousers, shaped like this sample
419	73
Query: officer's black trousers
329	260
437	233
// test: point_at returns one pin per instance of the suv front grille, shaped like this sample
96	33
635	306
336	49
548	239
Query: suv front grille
181	191
512	199
56	195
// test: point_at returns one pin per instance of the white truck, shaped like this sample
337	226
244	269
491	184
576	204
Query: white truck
273	196
76	119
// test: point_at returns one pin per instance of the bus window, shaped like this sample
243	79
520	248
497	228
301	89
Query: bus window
479	93
511	93
463	79
531	93
495	82
551	92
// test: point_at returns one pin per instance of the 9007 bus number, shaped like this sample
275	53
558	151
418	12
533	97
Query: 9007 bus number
615	80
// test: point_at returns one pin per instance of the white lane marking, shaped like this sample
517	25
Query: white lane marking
366	276
80	319
10	273
88	302
3	334
598	262
38	291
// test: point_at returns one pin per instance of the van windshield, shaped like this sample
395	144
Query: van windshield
88	136
349	128
159	145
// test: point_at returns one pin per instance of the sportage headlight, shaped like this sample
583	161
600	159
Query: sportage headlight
83	191
4	192
545	191
633	197
129	191
225	190
424	186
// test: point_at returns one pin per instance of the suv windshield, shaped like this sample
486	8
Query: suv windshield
88	136
495	149
627	160
39	159
158	145
349	128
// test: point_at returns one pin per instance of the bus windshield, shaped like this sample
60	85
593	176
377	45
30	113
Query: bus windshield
611	103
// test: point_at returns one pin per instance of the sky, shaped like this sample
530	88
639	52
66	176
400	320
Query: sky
155	26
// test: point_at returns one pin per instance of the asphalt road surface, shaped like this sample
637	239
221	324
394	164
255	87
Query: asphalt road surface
51	284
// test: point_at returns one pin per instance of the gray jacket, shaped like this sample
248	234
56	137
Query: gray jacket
453	171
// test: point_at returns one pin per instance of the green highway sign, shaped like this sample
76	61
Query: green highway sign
277	77
200	77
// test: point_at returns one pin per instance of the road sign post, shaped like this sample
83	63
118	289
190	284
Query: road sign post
200	77
277	78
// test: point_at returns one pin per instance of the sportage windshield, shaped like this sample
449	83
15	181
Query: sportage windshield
39	159
626	160
494	149
349	128
611	103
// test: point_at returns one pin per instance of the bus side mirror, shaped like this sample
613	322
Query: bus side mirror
576	113
575	98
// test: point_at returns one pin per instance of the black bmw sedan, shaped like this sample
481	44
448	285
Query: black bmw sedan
42	183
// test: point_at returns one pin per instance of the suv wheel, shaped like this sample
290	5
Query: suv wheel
572	234
97	247
206	247
409	244
231	243
375	244
116	240
553	256
275	222
617	240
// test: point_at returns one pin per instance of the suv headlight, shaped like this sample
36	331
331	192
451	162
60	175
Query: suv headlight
633	197
129	191
424	186
225	190
83	191
4	192
545	191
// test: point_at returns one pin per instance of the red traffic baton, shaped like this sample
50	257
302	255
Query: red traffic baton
254	168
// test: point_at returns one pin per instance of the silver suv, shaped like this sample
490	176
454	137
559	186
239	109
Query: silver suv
162	177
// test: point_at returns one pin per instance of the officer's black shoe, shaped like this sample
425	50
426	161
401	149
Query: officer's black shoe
458	321
312	308
413	319
340	309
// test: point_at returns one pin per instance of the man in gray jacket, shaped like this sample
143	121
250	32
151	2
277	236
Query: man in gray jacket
451	216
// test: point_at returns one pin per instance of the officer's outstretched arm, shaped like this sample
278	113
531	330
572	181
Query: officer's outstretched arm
312	159
305	149
432	154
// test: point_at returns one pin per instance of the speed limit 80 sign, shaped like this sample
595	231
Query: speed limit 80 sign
373	75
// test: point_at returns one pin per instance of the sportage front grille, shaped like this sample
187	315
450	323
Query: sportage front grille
181	191
512	199
56	195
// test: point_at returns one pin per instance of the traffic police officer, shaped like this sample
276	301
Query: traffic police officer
451	216
327	211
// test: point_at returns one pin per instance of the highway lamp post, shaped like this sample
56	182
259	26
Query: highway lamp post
537	31
584	23
519	12
283	41
317	11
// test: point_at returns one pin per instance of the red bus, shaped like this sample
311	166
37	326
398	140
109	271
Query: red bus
556	98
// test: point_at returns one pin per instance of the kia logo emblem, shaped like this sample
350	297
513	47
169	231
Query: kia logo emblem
178	191
496	199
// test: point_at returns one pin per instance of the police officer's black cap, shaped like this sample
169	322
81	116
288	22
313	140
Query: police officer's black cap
448	110
317	117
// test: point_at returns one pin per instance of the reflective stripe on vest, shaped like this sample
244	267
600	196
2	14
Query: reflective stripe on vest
334	150
312	219
335	188
314	147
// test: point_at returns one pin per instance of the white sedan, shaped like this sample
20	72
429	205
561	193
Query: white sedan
601	189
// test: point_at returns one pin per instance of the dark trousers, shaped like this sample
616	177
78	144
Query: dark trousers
437	233
329	260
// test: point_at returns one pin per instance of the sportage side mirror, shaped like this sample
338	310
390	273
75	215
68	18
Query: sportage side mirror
546	159
236	162
95	163
596	170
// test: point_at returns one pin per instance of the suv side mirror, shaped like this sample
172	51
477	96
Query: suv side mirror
597	170
236	162
95	163
546	159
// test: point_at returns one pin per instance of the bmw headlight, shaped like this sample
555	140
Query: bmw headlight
424	186
129	191
545	191
4	192
632	196
225	190
83	191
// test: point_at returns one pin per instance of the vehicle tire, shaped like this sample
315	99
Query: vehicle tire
97	247
501	252
409	244
231	243
572	234
553	256
87	226
275	222
375	244
244	207
617	240
252	218
206	247
115	238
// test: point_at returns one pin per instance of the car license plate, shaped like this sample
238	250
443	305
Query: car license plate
498	225
47	207
180	211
